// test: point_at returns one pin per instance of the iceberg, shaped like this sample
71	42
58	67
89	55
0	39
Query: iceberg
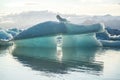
14	31
51	28
113	31
8	34
106	36
5	36
110	43
73	35
107	40
63	34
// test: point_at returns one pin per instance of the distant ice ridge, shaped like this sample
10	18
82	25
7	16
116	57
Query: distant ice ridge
44	35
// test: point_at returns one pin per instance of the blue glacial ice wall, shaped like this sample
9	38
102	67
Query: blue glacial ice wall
44	35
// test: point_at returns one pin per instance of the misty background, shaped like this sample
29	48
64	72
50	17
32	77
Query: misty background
28	19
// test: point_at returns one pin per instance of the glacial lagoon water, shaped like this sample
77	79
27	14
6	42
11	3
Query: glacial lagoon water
59	63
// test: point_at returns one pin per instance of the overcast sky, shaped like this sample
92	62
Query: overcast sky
79	7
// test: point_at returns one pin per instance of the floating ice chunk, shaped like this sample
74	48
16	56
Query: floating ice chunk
5	36
14	31
71	35
103	36
55	28
113	31
106	36
44	35
115	38
107	43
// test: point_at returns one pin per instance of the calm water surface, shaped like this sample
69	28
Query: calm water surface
59	64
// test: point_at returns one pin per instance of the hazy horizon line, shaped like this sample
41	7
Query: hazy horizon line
18	13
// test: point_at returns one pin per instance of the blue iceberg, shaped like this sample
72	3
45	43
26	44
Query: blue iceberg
52	34
110	43
108	40
14	31
54	28
106	36
8	34
73	35
5	36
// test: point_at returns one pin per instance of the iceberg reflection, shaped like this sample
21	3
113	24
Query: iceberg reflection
59	60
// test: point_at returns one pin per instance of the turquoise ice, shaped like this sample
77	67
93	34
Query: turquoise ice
73	35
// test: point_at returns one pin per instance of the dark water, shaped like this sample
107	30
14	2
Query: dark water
59	64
